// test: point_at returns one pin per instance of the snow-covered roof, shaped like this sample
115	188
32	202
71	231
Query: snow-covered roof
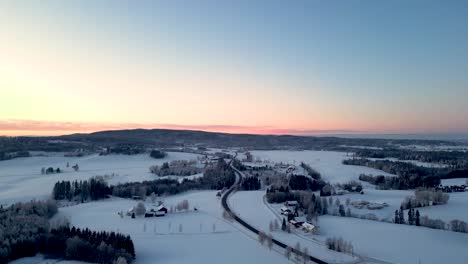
308	226
284	209
160	207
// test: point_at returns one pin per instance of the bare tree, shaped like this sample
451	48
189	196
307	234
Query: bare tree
269	240
297	251
261	237
276	225
140	209
305	255
153	197
180	228
288	252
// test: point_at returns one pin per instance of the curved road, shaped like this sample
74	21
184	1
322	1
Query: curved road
248	226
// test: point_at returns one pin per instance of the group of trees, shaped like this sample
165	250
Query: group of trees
300	182
311	172
425	197
50	170
250	183
455	159
413	217
93	189
25	231
176	167
90	246
340	245
157	154
161	186
218	176
126	149
409	175
281	194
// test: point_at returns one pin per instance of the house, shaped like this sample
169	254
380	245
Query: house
291	203
298	221
161	208
285	210
308	227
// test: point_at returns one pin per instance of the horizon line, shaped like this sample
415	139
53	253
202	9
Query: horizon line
21	127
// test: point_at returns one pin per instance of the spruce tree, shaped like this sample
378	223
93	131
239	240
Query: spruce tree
418	223
283	225
401	216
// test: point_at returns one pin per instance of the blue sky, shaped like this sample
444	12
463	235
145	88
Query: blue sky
393	66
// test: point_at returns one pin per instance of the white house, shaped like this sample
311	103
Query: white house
308	227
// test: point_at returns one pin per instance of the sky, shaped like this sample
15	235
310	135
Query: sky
269	67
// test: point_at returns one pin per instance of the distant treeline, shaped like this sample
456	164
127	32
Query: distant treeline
455	159
409	175
25	231
11	155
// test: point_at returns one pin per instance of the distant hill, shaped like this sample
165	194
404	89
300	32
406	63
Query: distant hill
168	138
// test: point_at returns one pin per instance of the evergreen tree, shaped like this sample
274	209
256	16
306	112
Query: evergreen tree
417	220
410	216
397	218
283	225
401	216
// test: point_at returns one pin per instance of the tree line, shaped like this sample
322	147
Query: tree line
409	175
92	189
250	183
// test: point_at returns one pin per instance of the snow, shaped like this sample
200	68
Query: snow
249	206
392	198
197	243
40	259
397	243
327	163
21	178
459	181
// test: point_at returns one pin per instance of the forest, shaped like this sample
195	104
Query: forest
25	231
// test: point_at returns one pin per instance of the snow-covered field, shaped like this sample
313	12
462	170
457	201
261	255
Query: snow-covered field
397	243
21	179
205	237
328	163
459	181
39	259
249	205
